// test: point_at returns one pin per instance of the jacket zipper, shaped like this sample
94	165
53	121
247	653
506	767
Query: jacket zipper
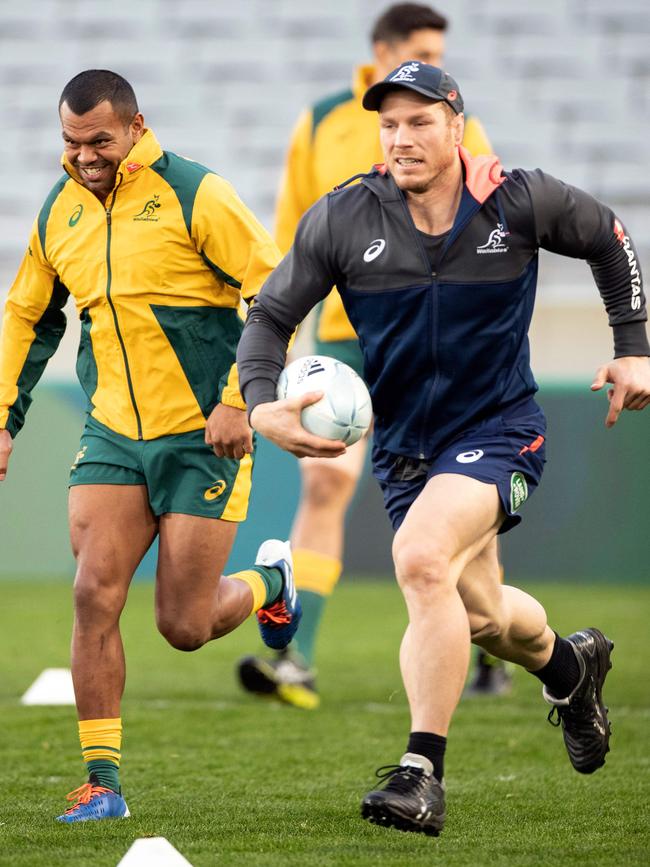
432	275
114	312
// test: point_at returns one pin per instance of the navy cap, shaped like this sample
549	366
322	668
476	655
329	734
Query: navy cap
432	82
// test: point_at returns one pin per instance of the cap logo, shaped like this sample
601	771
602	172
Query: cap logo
452	94
406	72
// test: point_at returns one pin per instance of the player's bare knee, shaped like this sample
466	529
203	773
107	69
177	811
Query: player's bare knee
420	567
96	596
323	488
182	636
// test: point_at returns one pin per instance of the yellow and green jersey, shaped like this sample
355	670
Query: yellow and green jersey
157	273
331	142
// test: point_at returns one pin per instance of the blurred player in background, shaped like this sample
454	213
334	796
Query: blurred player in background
455	468
332	141
157	252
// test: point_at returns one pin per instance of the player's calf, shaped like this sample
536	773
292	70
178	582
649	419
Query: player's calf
183	637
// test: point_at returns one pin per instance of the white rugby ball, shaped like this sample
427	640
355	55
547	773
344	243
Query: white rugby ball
345	410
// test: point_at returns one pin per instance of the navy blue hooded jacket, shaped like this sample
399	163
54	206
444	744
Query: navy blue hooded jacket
443	349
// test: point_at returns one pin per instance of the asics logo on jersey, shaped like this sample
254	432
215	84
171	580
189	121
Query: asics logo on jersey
375	249
75	216
405	73
470	457
215	490
494	243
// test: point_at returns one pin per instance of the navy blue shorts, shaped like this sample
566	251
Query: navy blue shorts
506	452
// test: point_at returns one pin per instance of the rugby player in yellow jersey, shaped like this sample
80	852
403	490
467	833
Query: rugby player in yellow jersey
157	252
332	141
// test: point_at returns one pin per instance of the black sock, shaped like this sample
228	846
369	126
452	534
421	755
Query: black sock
561	673
430	746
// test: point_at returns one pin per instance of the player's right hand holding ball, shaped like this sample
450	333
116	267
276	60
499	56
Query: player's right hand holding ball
279	422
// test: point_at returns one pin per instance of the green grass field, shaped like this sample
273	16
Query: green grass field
229	779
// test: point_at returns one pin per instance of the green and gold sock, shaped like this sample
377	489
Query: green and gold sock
101	743
265	584
316	577
313	608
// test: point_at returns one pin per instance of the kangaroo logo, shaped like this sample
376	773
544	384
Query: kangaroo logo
406	72
81	454
148	213
494	243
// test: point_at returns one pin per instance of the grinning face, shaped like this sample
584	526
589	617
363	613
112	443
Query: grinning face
418	138
426	45
96	142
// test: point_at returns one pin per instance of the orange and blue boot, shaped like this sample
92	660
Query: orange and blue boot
92	803
279	620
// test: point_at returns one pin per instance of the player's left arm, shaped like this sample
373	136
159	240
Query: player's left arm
229	235
304	277
572	223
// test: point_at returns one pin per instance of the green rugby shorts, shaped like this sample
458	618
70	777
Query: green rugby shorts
181	473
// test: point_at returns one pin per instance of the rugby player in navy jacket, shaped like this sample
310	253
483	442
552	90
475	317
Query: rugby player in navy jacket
435	256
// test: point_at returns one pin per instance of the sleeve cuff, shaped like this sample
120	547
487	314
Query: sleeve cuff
12	424
231	397
630	338
259	391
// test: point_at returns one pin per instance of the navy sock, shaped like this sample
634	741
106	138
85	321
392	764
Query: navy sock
561	673
430	746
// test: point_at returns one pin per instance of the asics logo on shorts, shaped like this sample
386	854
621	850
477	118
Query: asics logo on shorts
375	249
215	490
470	457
